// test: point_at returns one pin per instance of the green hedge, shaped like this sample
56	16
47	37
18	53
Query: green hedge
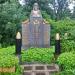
7	51
66	61
8	61
41	55
7	57
67	45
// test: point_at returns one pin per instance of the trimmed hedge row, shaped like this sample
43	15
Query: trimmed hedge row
7	57
41	55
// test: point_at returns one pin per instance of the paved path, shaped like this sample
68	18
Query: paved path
39	69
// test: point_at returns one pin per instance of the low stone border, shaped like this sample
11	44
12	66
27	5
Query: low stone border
40	69
9	70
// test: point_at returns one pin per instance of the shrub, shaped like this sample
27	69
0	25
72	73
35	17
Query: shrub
67	45
66	61
8	61
7	51
7	57
41	55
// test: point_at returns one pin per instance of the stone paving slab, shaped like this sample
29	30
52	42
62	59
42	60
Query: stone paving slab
39	69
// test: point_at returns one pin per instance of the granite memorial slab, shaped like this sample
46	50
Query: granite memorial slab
35	30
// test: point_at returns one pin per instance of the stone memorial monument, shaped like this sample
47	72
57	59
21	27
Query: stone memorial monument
35	31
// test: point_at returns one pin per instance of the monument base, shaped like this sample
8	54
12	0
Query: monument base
38	46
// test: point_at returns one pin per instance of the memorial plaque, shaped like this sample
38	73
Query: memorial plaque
35	31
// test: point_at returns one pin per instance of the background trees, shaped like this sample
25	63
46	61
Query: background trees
57	9
12	14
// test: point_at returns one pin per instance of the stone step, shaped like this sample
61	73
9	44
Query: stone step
40	69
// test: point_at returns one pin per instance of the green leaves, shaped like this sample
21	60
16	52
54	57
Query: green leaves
7	57
8	61
7	51
11	16
66	61
67	45
41	55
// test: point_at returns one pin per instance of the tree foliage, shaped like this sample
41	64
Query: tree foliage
58	9
67	61
11	16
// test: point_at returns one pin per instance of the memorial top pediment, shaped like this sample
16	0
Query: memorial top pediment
35	12
35	15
